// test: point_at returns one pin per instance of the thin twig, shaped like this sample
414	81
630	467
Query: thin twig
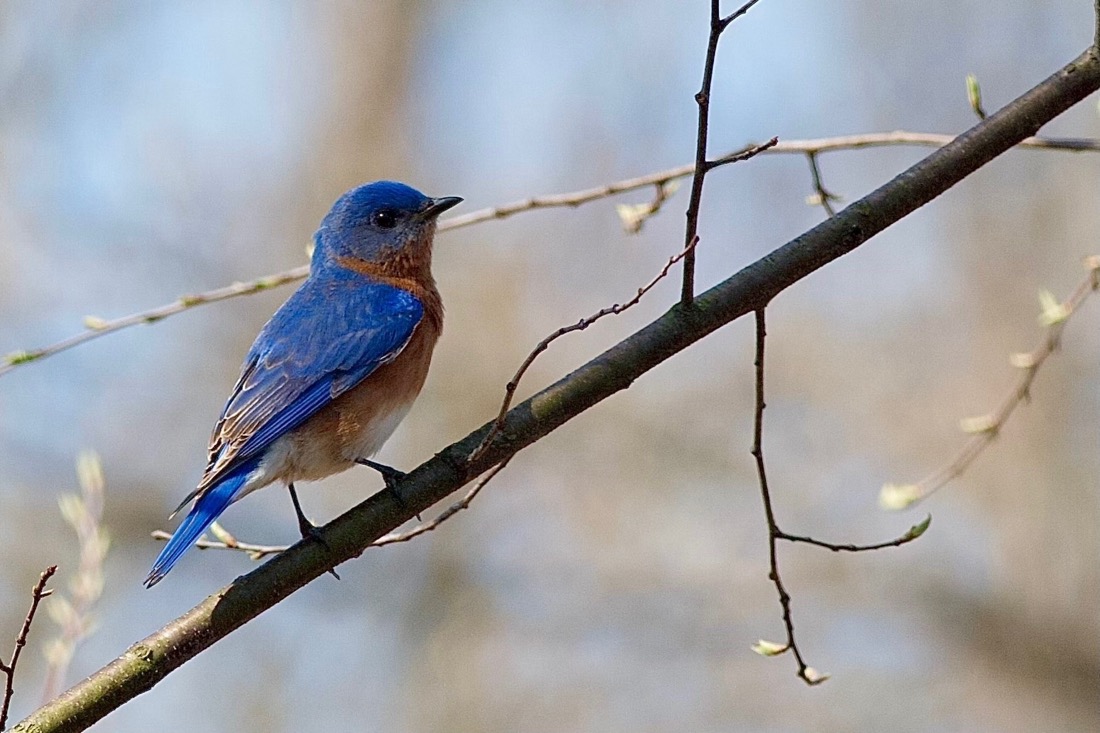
718	24
582	324
596	193
453	509
786	147
913	533
822	196
926	140
258	552
986	428
8	669
97	327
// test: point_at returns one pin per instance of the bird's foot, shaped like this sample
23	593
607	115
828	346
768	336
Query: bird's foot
308	529
391	477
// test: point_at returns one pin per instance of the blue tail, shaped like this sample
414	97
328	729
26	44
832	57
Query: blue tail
207	508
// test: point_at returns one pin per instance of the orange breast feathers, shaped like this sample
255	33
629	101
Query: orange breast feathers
365	416
410	271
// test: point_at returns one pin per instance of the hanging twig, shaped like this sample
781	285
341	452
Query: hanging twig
768	648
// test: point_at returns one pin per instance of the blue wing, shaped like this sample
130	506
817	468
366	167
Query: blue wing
323	341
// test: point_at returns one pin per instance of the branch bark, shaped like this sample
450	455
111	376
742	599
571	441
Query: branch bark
150	660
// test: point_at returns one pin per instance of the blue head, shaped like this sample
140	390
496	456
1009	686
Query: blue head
381	223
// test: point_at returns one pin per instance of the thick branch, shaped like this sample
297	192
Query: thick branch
150	660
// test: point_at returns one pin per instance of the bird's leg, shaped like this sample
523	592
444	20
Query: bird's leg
308	529
390	476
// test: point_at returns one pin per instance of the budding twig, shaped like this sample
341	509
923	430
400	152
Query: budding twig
986	428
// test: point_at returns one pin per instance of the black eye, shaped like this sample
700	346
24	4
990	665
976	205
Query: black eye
384	218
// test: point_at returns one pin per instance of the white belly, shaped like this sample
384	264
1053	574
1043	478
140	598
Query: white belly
375	433
297	457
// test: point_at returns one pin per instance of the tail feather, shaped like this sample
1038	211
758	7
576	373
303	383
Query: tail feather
208	507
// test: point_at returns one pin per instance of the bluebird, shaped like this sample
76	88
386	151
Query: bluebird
337	367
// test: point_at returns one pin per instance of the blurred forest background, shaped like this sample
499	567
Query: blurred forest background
615	575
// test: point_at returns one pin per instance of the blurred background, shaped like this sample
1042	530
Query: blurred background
615	575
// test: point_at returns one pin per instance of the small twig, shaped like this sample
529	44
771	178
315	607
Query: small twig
924	139
822	197
750	151
446	514
582	324
97	327
634	216
574	199
911	534
785	147
718	25
258	552
8	669
986	428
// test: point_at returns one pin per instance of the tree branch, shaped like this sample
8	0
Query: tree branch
822	196
96	327
806	673
347	536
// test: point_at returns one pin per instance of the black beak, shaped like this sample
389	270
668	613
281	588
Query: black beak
437	206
